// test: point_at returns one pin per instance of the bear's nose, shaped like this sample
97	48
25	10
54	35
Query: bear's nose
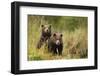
47	30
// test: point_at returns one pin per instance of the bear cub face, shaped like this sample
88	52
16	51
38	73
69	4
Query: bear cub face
46	30
55	43
57	38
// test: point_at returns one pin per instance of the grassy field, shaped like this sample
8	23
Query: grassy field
75	36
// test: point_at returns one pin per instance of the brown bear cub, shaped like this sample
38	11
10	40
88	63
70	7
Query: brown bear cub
55	43
45	35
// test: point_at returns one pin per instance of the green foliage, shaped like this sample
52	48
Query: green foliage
75	35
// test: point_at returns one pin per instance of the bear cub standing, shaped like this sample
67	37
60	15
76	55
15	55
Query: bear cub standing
45	35
55	43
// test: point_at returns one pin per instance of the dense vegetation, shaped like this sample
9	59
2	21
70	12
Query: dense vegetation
75	36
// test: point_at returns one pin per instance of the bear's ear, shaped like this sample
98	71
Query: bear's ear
61	35
42	25
49	26
54	34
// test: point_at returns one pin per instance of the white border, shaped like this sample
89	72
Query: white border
26	65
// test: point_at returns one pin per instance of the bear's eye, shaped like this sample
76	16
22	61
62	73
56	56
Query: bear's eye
61	35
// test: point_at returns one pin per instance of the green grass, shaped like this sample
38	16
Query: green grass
75	35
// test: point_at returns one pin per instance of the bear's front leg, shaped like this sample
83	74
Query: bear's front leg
40	43
54	50
60	49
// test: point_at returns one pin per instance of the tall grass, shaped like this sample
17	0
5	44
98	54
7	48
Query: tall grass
74	30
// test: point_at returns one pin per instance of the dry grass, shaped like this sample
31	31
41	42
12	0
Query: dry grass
75	44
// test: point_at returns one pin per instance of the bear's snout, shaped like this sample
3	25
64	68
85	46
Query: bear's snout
57	42
46	30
